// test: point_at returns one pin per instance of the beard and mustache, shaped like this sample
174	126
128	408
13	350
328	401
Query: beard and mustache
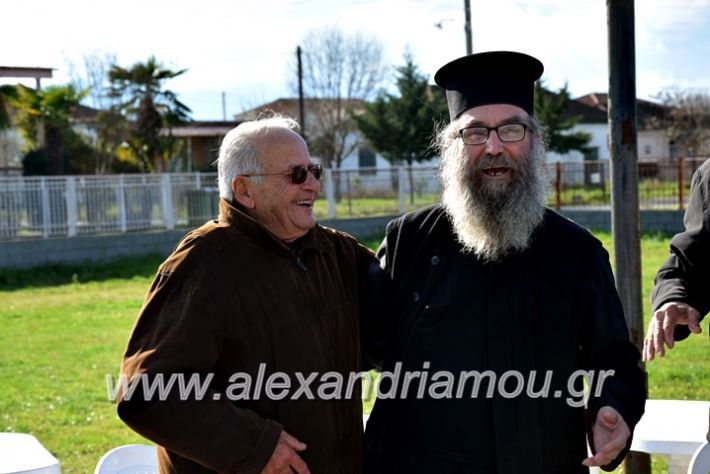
494	218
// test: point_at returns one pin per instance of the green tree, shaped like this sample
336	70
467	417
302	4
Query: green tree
551	110
400	126
142	98
7	94
43	117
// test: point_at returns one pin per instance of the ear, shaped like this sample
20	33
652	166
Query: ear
243	192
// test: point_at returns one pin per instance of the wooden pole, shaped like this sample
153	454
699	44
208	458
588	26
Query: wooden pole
469	35
301	111
624	180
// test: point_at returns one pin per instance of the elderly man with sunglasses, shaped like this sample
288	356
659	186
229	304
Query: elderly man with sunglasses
498	307
259	309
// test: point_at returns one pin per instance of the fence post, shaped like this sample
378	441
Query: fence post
350	194
558	185
167	194
121	199
71	206
681	182
401	191
330	192
46	208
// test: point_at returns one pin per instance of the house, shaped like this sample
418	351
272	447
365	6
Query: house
202	141
362	171
10	140
359	154
653	144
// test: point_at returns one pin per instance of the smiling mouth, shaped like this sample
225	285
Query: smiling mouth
305	203
495	172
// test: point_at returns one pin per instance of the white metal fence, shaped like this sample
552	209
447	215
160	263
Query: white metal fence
67	206
77	205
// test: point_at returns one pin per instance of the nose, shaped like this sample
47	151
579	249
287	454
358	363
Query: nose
311	184
494	146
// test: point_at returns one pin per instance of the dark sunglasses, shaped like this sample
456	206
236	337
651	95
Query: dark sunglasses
298	173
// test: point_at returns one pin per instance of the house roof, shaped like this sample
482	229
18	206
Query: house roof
83	113
587	113
646	111
204	128
35	72
290	107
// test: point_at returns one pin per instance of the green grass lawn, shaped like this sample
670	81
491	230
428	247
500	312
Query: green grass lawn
62	330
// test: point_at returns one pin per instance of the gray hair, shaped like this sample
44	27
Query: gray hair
238	153
492	221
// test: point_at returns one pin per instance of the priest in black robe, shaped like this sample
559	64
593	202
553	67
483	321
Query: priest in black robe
501	338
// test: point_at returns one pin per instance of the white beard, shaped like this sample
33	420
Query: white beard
494	219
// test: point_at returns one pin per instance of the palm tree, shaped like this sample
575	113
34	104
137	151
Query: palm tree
141	98
43	117
7	94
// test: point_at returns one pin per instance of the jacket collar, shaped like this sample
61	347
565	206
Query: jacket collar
247	227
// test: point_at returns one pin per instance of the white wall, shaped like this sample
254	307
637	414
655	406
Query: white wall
599	133
652	144
351	162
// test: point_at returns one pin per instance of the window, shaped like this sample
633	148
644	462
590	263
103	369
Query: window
366	159
591	153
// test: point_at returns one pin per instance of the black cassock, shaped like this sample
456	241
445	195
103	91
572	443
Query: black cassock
520	329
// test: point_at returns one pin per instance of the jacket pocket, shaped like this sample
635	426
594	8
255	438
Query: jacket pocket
431	316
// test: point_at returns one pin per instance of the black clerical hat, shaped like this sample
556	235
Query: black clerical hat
494	77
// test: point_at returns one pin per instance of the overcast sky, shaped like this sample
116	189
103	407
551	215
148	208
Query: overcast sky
245	48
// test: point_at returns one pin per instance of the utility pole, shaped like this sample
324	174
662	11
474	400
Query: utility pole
624	181
224	106
301	112
469	36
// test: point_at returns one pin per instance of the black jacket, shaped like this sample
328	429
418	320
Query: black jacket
553	308
685	276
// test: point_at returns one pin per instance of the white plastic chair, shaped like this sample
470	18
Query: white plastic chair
700	462
129	459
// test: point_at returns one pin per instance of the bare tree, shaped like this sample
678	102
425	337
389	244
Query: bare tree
687	120
109	129
339	72
92	74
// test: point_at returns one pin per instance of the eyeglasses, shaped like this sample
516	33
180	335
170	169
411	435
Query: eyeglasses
509	132
298	173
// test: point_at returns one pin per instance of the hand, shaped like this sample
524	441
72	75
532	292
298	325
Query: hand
609	436
285	459
662	325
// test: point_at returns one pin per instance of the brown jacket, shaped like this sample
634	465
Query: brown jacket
233	301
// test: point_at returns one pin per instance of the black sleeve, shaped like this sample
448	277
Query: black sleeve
684	276
375	310
606	347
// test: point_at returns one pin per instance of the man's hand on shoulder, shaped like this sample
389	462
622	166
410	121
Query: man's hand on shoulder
663	324
610	433
285	458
